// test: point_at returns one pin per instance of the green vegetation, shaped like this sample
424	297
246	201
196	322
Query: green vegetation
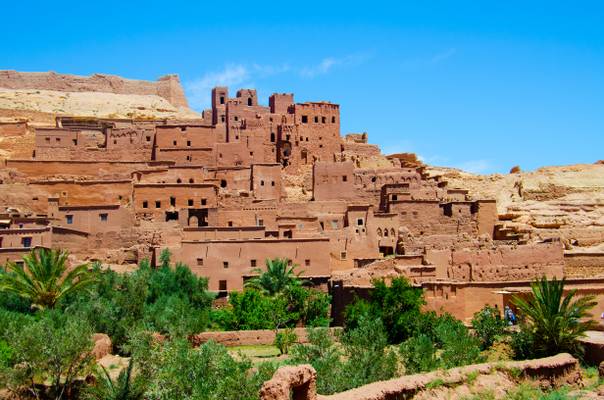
48	315
43	280
552	321
274	299
362	357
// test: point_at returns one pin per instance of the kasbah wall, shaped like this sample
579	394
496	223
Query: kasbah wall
247	182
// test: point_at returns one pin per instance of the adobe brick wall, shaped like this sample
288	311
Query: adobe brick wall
249	338
167	86
555	371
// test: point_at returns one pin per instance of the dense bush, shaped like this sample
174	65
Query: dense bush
447	344
397	305
53	349
166	300
175	370
363	356
488	326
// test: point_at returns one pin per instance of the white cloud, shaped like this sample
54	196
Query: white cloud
199	90
328	63
243	75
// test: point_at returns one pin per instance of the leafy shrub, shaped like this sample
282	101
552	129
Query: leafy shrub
488	325
397	305
448	345
419	354
54	349
175	370
6	353
284	339
363	358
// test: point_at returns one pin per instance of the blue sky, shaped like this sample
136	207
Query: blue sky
477	85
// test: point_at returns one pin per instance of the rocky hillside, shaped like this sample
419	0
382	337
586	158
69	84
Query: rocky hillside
563	201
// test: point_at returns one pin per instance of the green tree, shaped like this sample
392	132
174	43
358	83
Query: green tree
278	277
284	339
488	325
397	305
44	279
555	320
55	349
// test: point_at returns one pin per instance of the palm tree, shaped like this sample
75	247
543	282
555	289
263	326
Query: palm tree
554	320
43	280
278	277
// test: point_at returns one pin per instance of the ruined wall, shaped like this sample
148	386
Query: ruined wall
299	382
167	86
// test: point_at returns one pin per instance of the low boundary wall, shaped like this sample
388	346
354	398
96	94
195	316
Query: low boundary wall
300	381
249	338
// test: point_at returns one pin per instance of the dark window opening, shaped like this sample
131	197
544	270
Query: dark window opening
75	142
253	263
221	99
171	216
148	138
191	180
223	183
225	264
249	101
394	197
190	202
343	255
189	143
222	118
260	222
104	217
157	204
272	183
261	183
69	219
273	137
204	202
333	120
145	204
178	180
26	241
316	120
200	262
360	221
183	128
230	223
174	142
307	263
344	178
173	201
323	120
287	234
222	285
304	119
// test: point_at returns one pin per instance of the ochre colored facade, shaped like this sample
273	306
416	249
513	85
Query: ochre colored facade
247	182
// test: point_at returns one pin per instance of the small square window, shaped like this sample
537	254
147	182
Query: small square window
189	143
230	223
69	219
261	183
304	119
343	255
190	202
157	204
174	142
307	263
222	285
145	204
253	263
360	221
344	178
333	120
260	222
148	138
225	264
316	120
323	120
26	241
204	202
200	262
104	217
